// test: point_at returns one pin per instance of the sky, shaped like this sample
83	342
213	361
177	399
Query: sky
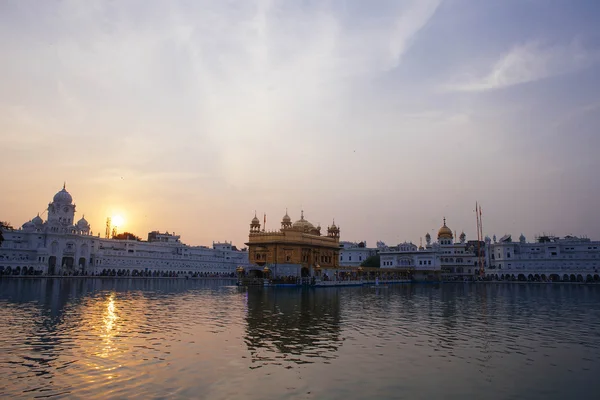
388	116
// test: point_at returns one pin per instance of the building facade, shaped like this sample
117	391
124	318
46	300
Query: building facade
549	258
445	259
353	254
60	246
295	250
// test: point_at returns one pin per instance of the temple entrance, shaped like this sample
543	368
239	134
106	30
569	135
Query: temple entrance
81	264
256	273
67	263
304	272
52	265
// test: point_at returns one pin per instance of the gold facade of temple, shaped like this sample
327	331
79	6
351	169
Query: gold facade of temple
299	243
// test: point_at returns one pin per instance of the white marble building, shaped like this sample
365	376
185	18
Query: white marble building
444	259
353	254
424	263
549	258
60	246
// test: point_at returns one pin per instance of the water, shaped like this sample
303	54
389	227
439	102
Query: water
71	338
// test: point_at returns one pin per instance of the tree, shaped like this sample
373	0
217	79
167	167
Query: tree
127	236
4	226
371	262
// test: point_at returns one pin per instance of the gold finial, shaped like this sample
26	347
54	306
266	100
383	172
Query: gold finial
301	214
64	185
444	221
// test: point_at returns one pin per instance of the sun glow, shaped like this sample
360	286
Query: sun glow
117	220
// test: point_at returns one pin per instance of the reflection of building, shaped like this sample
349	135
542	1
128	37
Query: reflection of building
293	322
444	258
294	249
62	246
354	254
550	258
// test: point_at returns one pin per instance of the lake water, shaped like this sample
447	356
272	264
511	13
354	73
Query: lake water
100	338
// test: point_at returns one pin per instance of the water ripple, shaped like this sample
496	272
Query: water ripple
180	339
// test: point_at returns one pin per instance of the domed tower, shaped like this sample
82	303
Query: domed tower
28	226
38	221
333	230
61	212
83	226
462	237
286	221
445	235
428	239
522	238
302	224
255	224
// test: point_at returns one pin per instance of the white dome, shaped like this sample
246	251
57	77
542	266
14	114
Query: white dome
63	197
38	220
83	224
28	225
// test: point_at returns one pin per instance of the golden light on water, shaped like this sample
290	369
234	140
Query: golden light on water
110	326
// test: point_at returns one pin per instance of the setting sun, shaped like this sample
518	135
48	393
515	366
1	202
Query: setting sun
117	220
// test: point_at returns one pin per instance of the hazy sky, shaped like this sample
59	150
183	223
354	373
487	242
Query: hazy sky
187	116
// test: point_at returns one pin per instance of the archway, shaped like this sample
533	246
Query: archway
52	265
256	273
596	278
67	262
521	277
554	278
565	278
304	272
530	277
544	277
579	278
589	278
573	278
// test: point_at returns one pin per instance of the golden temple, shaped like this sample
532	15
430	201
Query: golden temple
299	253
294	249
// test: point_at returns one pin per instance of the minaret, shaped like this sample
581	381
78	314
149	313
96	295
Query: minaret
286	221
255	224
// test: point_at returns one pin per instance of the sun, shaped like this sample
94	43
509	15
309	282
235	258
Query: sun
117	220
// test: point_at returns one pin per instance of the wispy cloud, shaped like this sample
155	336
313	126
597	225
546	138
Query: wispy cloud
530	62
408	25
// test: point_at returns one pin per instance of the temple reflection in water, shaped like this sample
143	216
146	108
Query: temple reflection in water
295	324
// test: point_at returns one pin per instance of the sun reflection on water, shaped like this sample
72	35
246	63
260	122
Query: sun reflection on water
110	327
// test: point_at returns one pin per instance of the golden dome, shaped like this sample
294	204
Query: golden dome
445	232
303	224
333	227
